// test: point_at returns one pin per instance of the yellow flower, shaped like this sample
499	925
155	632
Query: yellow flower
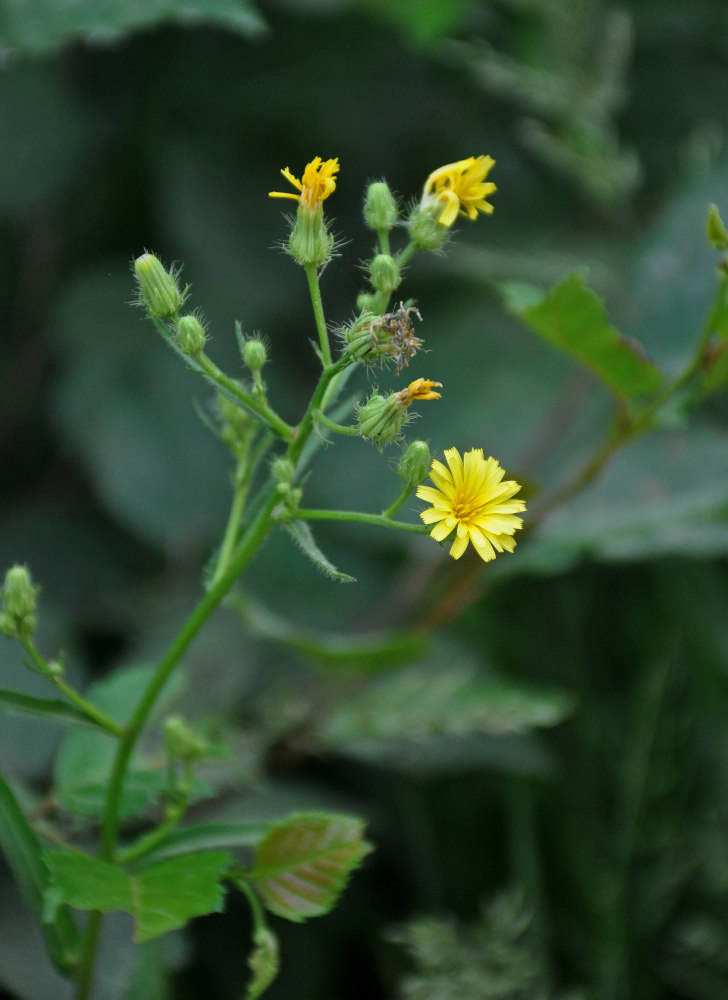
471	497
315	186
460	188
421	388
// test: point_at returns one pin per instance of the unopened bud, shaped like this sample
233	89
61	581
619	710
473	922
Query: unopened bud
159	291
191	335
384	273
254	354
20	598
182	742
426	232
715	229
310	242
380	207
414	465
381	418
283	471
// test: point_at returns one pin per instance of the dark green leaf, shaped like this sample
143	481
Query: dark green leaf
573	318
302	535
51	709
303	863
22	851
160	897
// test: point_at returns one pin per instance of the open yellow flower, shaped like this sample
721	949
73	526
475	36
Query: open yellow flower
471	498
460	188
317	183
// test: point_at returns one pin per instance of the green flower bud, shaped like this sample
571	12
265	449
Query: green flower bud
381	418
425	230
255	354
191	335
380	207
715	229
414	465
283	471
384	273
181	742
310	242
20	598
365	302
159	291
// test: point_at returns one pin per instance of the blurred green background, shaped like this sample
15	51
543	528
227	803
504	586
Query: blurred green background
547	779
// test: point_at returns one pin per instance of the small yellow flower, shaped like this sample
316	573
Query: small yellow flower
317	183
421	388
460	188
471	497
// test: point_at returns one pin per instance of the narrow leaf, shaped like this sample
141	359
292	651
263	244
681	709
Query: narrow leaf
302	865
573	318
23	853
160	897
51	709
302	535
206	836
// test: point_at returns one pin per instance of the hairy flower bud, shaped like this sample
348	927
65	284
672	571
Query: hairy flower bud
381	418
380	207
424	227
414	465
159	291
254	354
191	335
384	273
20	598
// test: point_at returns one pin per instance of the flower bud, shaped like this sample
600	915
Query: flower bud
310	242
254	354
715	230
365	301
384	273
414	465
381	418
182	743
380	207
283	471
159	291
425	230
191	335
20	598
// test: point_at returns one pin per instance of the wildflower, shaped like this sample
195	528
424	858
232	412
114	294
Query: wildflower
471	497
421	388
460	188
315	186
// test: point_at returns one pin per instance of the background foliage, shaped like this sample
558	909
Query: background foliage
545	775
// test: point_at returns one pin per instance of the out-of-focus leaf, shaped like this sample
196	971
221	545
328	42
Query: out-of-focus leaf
304	862
366	652
418	703
302	535
264	962
50	709
426	21
205	836
573	318
23	853
85	757
160	897
45	25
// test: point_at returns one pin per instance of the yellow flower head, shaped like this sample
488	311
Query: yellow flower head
317	183
460	188
471	497
421	388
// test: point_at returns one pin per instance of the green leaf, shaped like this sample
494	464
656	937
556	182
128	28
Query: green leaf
23	853
419	703
205	836
45	25
85	758
50	709
303	863
160	897
302	535
573	318
264	962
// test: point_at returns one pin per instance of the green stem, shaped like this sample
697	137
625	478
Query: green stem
85	972
348	429
149	841
383	237
360	518
318	311
90	711
252	403
394	507
406	254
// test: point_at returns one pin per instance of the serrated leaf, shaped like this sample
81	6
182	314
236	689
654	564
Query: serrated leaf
23	853
160	897
45	25
302	535
303	863
573	318
50	709
418	704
